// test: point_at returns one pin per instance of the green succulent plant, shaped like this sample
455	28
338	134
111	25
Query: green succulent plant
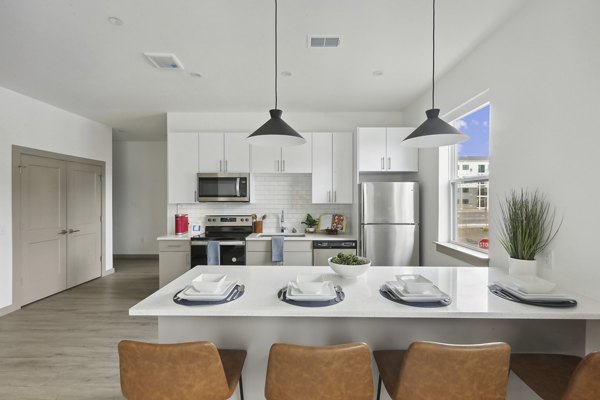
310	221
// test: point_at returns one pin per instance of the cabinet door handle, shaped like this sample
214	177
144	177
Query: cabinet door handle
329	196
277	165
220	165
283	166
389	162
335	196
382	162
73	230
63	232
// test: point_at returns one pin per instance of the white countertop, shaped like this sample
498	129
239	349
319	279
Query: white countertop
466	285
307	236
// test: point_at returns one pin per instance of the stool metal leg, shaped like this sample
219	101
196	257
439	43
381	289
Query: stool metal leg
379	388
241	389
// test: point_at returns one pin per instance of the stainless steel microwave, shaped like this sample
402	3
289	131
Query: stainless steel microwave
223	187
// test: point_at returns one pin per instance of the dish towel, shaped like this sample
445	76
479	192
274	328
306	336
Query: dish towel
277	249
213	253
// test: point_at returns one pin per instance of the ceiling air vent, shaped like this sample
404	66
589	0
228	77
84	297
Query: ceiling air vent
164	60
324	41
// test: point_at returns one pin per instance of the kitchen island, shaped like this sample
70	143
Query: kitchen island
258	318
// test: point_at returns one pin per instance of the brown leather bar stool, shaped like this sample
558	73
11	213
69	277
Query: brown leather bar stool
443	371
339	372
559	377
179	371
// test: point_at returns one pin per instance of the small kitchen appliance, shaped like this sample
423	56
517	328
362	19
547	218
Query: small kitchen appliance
230	231
223	187
181	224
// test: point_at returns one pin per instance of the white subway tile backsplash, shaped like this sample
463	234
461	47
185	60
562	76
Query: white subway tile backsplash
272	193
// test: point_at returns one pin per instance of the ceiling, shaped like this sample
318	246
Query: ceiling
66	53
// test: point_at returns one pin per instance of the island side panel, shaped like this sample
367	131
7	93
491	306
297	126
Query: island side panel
257	334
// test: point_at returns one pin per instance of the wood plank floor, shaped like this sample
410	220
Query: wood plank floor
65	346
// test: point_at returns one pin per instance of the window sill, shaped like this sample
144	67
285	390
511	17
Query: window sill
470	256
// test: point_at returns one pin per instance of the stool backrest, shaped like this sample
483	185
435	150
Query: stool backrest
585	381
442	371
339	372
175	371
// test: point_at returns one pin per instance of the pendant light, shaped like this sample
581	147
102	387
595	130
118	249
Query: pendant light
434	132
275	132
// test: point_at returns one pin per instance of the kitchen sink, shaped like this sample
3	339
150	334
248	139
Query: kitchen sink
299	234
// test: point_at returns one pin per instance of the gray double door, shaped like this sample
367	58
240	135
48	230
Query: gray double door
61	228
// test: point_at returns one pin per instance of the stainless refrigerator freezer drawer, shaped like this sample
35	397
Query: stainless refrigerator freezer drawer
390	203
391	245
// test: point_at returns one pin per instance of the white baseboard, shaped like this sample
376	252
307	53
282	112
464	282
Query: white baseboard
108	272
8	309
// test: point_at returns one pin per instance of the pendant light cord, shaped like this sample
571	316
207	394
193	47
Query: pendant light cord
275	54
433	72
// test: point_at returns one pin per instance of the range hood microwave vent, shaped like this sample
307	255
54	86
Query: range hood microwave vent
324	41
164	60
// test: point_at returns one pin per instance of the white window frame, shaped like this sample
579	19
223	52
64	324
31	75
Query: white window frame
448	228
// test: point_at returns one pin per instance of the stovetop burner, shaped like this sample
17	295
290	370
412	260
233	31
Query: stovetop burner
226	228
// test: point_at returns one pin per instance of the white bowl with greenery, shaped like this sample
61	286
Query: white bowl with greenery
349	265
526	229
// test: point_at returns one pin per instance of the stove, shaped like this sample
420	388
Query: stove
230	231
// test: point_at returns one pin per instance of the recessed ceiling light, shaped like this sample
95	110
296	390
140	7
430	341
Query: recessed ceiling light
115	21
196	74
286	73
377	73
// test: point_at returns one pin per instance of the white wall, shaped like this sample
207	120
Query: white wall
139	196
542	69
32	123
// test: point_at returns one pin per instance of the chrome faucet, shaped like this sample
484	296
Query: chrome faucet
283	228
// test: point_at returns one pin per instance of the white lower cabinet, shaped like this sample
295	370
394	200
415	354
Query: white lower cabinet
173	260
332	167
295	253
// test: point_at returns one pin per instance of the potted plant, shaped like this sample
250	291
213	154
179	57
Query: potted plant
310	223
526	229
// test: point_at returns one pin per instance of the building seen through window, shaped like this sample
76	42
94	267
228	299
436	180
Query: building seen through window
470	183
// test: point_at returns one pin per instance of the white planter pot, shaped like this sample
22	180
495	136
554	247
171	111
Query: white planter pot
522	267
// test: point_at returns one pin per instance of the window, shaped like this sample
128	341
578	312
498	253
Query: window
469	189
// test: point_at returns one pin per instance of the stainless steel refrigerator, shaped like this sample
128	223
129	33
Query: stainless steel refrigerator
389	223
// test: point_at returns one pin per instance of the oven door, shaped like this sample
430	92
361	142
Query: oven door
223	187
232	252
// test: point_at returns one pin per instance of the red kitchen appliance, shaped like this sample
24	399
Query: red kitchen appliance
181	224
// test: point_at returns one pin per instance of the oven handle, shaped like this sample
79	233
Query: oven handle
237	187
224	243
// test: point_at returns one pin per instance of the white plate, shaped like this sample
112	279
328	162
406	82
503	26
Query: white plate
433	294
414	283
209	283
189	293
532	284
510	288
329	293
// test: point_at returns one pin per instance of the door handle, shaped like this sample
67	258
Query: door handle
329	196
63	232
237	187
389	162
73	230
382	162
335	196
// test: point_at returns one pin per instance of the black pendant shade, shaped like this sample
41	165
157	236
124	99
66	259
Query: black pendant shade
434	132
275	132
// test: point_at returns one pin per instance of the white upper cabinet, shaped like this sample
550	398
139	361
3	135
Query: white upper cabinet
182	161
210	152
332	168
371	149
237	153
292	159
342	160
400	158
265	159
223	152
380	150
298	159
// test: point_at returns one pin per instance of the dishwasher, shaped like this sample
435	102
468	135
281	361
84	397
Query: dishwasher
323	249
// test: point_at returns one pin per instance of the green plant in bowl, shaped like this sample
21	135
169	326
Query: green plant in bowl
349	259
310	223
349	265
